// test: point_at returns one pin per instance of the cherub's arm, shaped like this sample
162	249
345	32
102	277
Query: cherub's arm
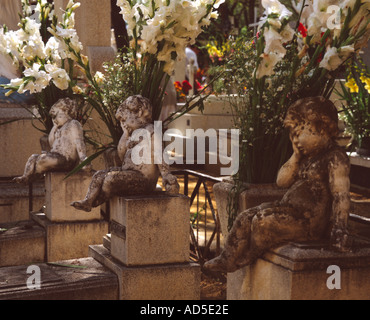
51	137
78	139
339	183
289	171
122	144
169	181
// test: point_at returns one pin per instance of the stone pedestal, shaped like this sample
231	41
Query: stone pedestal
148	248
61	192
69	232
300	272
150	230
69	240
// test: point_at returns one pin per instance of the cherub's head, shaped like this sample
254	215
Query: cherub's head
135	112
313	123
63	110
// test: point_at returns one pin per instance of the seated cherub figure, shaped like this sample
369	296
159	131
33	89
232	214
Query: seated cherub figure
317	202
66	141
133	178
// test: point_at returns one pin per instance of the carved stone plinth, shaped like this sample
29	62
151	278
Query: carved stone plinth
300	272
179	281
149	230
70	240
61	192
148	248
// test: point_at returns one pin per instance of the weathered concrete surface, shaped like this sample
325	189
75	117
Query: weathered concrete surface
88	280
14	200
149	230
61	192
69	240
299	272
21	243
160	282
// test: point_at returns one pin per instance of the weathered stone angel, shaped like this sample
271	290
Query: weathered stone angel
132	178
316	205
66	140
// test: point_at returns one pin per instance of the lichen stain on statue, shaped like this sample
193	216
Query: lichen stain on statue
67	143
132	178
317	203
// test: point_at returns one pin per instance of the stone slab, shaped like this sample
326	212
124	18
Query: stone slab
69	240
82	279
61	192
160	282
21	243
299	272
151	229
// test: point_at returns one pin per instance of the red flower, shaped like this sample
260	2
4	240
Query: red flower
199	86
302	30
186	86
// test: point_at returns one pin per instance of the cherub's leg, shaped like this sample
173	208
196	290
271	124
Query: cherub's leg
38	164
254	232
237	244
94	195
29	170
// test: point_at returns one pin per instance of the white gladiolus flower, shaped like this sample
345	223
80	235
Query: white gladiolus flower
331	60
266	66
273	42
40	79
60	76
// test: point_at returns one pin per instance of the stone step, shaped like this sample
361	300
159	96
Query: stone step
21	243
79	279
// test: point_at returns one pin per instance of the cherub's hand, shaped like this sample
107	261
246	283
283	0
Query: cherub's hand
296	151
88	168
170	183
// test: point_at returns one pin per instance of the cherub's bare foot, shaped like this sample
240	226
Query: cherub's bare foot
81	205
21	179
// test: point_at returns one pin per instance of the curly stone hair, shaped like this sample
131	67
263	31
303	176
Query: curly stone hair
68	105
317	111
137	104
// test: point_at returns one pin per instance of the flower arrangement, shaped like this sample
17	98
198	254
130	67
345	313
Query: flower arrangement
45	53
299	50
160	30
355	94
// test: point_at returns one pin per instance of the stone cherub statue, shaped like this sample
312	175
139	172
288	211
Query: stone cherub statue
317	203
135	113
66	140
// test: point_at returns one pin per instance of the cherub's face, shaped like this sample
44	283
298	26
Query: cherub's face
131	120
59	116
307	140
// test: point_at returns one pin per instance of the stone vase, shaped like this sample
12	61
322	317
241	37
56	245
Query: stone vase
252	196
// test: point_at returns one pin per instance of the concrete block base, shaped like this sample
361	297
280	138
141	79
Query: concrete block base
69	240
300	272
160	282
149	230
61	192
21	244
82	279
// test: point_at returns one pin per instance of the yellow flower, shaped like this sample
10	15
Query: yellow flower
352	85
366	81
